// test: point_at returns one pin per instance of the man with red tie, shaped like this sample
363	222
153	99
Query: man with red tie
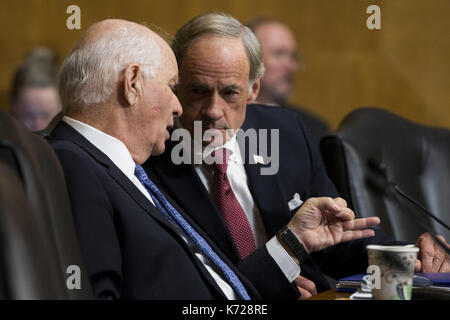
251	215
220	64
116	85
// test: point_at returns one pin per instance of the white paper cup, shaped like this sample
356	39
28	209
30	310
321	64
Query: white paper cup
396	266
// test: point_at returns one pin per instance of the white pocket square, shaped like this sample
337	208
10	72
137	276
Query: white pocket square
258	159
295	202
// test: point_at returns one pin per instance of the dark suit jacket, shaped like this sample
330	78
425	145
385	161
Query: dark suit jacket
300	171
131	250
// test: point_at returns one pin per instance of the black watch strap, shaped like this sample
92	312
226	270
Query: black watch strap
291	241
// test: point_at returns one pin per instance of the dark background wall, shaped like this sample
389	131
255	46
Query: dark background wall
404	67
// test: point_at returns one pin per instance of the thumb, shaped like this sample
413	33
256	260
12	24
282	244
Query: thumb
418	266
336	208
327	204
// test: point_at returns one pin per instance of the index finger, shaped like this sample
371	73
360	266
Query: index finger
344	214
362	223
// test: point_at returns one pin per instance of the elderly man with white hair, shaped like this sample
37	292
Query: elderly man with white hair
116	87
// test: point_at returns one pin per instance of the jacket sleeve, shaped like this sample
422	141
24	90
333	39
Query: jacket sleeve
350	257
94	221
262	270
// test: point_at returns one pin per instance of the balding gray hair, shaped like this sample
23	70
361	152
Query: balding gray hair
222	25
90	72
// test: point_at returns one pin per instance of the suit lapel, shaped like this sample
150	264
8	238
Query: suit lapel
248	285
185	187
66	132
266	190
267	193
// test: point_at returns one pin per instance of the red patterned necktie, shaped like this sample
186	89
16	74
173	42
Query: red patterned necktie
229	206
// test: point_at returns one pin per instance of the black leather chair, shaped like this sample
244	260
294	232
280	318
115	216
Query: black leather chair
416	158
37	236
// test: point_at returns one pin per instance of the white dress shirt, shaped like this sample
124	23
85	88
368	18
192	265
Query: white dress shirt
238	181
118	153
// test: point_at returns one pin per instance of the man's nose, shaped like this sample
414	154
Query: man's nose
213	108
292	64
177	109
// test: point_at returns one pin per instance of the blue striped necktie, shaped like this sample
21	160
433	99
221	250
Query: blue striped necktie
170	212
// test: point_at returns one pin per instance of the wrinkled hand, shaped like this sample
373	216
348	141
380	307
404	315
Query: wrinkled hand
306	287
431	257
324	222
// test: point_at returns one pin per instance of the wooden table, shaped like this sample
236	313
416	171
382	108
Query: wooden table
331	295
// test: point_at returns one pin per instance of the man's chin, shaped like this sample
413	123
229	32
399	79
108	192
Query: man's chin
158	150
214	142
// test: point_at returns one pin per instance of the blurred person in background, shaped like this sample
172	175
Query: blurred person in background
34	98
282	63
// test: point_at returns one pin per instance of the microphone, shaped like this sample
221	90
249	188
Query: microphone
380	181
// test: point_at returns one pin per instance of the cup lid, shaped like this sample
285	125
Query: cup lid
407	248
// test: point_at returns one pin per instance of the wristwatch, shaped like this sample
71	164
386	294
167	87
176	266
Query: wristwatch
290	240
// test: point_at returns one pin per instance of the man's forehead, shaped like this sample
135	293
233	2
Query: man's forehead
231	80
276	34
215	57
205	83
218	48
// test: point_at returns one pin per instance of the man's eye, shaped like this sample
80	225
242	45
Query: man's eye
279	53
197	91
230	92
173	86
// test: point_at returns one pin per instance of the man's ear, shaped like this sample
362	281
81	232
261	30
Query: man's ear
132	84
254	91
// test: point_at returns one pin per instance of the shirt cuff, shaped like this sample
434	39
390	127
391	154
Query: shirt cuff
287	265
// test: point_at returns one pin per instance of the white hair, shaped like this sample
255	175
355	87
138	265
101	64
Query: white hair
90	72
222	25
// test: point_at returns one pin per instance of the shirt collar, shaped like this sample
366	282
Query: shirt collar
231	145
203	152
268	104
112	147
